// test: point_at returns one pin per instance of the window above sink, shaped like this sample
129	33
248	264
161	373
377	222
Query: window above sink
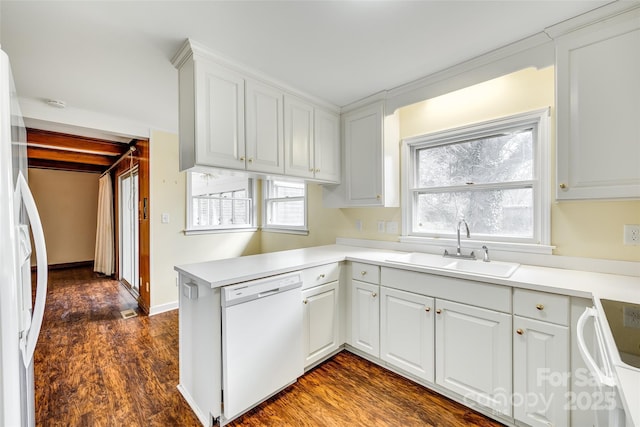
493	174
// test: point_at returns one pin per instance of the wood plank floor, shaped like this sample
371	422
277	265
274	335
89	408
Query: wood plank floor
94	368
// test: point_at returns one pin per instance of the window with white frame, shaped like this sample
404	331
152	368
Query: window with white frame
493	175
284	206
219	202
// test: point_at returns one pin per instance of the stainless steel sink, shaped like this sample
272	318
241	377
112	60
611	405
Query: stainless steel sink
493	268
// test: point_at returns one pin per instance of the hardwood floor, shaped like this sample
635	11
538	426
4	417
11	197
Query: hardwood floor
94	368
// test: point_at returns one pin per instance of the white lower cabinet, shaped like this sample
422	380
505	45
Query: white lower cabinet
540	372
473	354
365	317
320	322
407	332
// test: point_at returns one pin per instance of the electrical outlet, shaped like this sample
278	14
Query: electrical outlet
631	317
632	234
380	226
392	227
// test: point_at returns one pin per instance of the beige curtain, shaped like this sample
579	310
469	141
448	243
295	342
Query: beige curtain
105	252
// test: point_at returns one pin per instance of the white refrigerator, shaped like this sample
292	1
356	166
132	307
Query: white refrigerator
21	310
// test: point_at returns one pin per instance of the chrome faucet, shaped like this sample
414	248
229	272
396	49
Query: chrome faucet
458	253
486	254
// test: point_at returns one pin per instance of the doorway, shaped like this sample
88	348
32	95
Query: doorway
86	153
128	230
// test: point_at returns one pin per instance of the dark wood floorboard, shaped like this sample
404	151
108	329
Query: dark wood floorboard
94	368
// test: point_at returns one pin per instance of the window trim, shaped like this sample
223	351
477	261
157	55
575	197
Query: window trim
539	119
291	229
190	229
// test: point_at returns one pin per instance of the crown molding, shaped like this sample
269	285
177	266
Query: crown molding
628	8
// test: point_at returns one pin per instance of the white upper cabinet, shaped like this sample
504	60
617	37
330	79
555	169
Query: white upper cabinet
285	134
363	133
326	137
312	141
371	160
598	107
298	132
265	133
220	126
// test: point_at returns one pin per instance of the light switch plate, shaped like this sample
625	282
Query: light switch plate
164	218
380	226
632	234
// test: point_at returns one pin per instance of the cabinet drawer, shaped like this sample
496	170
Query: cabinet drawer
541	306
320	275
365	272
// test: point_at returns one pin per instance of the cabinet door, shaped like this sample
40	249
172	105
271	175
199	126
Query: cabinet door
473	354
407	332
363	155
265	128
220	119
298	137
598	94
320	333
365	317
326	146
541	372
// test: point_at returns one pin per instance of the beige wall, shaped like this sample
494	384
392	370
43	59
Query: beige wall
68	204
169	245
324	226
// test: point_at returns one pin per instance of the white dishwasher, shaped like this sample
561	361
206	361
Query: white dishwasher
262	350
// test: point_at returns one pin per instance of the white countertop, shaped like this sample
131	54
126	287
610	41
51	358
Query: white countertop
568	282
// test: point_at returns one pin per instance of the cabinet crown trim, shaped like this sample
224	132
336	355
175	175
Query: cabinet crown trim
199	51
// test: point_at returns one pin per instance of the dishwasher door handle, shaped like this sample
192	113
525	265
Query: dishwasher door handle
267	293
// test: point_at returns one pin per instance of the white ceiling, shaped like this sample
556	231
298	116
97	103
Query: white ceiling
114	57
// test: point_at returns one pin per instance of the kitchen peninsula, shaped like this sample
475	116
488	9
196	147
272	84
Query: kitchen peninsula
365	283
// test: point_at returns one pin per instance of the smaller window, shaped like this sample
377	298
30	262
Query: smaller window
219	202
285	206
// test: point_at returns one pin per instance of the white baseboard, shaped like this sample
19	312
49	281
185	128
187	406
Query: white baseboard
206	421
157	309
